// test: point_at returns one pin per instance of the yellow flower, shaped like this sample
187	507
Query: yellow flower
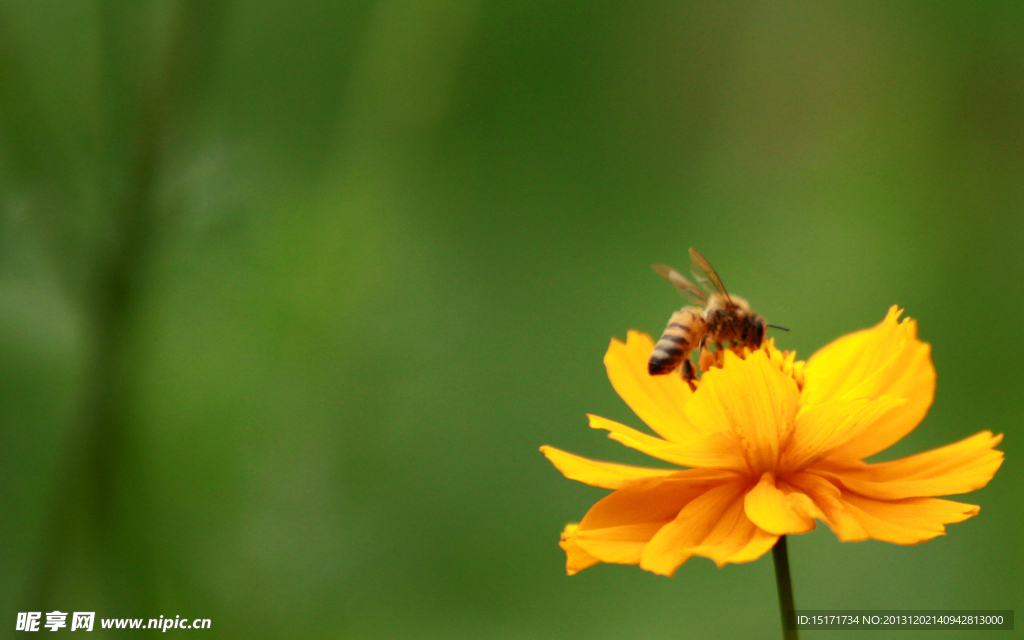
772	444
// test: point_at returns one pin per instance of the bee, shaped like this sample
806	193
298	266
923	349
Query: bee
721	319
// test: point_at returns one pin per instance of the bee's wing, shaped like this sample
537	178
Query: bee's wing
682	285
701	263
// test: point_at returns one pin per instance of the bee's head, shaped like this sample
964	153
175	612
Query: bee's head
755	330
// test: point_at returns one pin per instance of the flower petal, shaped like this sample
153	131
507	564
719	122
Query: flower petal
677	541
576	559
779	511
734	538
759	544
856	517
653	499
606	475
627	435
715	450
618	545
956	468
887	359
908	521
823	428
618	527
751	401
659	401
828	498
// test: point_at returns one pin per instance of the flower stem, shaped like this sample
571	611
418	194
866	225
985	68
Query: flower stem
785	588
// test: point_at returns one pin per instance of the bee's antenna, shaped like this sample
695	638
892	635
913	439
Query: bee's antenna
775	326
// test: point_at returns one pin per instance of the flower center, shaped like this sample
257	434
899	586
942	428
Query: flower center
785	360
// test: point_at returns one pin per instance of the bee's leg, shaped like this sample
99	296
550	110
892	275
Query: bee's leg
689	375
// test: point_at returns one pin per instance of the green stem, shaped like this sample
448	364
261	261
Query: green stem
785	588
105	483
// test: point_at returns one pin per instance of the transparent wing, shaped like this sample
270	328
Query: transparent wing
701	263
682	285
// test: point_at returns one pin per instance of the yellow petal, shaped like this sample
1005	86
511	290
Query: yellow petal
659	401
777	511
607	475
828	498
618	527
730	533
715	450
759	544
885	360
855	517
908	521
751	401
652	499
734	538
576	559
956	468
823	428
678	540
619	545
627	435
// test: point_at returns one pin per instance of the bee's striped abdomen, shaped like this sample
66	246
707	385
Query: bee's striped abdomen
685	329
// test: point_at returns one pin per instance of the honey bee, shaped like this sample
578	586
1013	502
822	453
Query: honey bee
722	319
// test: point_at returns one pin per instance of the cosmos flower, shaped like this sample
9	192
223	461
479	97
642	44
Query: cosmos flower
772	444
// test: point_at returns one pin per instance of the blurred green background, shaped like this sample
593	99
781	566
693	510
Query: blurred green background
291	292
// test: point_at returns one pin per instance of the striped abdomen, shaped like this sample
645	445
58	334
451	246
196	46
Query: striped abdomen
683	333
